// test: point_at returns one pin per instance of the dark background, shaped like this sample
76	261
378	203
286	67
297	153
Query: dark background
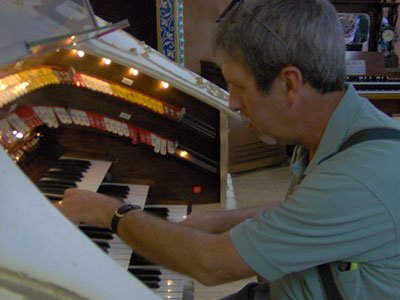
141	15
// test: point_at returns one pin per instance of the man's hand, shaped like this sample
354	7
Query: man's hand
88	207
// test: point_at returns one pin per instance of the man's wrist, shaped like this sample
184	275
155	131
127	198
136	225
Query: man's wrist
119	213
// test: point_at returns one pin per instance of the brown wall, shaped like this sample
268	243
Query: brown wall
199	25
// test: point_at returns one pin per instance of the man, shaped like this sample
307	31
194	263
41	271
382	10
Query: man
285	65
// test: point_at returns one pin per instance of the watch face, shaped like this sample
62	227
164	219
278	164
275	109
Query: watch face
388	35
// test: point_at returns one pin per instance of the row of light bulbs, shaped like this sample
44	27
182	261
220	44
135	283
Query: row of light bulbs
107	61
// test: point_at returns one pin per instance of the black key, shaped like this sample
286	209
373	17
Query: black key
74	164
119	191
52	190
114	187
67	168
58	180
152	285
86	227
76	161
99	235
55	184
68	172
62	176
162	212
102	245
54	198
144	271
97	232
114	194
146	278
138	260
156	209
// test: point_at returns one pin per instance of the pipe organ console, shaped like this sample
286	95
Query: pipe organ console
367	73
110	115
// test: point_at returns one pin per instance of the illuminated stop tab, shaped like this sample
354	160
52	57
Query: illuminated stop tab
196	190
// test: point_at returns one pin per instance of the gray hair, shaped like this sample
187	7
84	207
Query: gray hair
272	34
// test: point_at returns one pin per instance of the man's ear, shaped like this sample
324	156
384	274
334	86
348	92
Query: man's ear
292	81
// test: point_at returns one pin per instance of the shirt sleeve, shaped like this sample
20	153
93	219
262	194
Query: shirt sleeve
328	217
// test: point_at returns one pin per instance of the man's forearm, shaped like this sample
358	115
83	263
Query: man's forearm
194	247
219	221
204	256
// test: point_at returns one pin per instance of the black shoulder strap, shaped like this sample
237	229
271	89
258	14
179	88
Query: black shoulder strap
367	134
328	282
374	133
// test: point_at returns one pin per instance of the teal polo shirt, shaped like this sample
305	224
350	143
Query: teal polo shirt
346	208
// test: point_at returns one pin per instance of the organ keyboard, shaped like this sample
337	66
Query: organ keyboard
371	80
90	175
375	84
164	282
68	172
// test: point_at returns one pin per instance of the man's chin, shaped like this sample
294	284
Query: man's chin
267	139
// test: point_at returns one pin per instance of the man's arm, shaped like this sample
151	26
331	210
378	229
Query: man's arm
219	221
205	256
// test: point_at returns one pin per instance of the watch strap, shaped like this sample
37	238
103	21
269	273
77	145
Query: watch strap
119	213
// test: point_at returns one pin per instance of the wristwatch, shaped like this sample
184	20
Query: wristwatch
119	213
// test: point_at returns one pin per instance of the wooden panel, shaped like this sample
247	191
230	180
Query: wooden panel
247	152
374	61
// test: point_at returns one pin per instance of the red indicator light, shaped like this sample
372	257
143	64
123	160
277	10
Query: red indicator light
196	189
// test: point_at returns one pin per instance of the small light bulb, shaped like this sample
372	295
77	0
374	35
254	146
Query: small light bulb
164	84
106	61
81	53
134	71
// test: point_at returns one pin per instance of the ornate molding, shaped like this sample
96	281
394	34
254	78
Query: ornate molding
170	34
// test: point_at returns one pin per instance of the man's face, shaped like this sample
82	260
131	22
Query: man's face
264	111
